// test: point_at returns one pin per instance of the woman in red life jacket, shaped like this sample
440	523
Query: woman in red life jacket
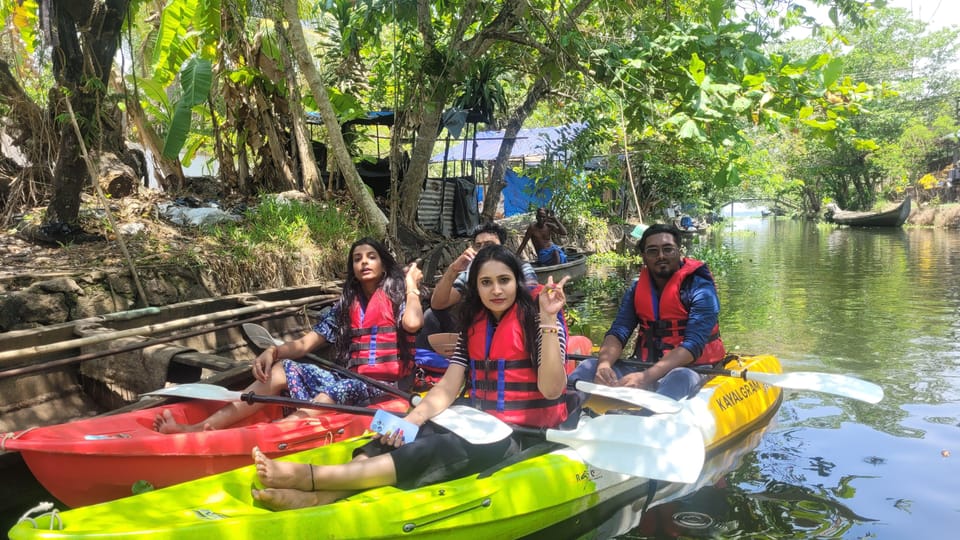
372	328
505	327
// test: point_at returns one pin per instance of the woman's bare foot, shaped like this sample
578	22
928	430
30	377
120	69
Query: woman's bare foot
282	474
165	423
289	499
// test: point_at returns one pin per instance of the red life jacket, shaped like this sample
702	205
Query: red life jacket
665	332
503	379
374	346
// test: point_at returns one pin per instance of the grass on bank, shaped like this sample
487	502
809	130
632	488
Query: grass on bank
282	243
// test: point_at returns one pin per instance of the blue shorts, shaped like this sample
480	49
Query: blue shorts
546	255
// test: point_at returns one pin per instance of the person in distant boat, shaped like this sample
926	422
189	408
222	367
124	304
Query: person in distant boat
372	327
541	233
500	319
674	303
447	293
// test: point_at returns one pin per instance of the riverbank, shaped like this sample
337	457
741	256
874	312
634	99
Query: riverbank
946	216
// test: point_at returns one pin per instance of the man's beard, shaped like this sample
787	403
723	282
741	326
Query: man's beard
663	273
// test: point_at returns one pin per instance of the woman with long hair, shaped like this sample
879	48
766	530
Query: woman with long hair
511	344
372	327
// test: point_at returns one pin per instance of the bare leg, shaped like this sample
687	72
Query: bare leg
311	413
354	475
289	499
229	414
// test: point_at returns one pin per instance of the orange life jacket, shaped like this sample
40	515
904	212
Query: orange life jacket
666	331
374	340
503	378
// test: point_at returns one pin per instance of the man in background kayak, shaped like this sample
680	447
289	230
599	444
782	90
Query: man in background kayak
541	233
674	303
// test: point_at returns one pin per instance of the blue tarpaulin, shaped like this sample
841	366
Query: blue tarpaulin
519	196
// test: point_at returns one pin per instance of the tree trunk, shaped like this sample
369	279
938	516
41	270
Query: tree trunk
74	62
365	202
416	174
278	155
491	198
26	122
308	161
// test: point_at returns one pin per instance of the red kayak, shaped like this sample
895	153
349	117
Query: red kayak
100	459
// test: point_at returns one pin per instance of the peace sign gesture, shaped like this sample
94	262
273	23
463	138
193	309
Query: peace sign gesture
552	298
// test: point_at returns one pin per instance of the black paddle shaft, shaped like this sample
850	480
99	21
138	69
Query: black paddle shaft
251	398
388	388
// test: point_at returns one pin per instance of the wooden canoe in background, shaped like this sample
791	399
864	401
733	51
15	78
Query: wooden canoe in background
894	217
575	267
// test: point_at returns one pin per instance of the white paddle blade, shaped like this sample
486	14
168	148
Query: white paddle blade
840	385
475	427
197	391
651	401
260	336
655	447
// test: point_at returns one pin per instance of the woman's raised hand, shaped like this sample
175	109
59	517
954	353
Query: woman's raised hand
552	298
414	275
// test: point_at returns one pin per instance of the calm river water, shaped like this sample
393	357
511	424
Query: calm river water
881	305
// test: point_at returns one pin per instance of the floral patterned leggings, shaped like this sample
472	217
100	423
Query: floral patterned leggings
305	381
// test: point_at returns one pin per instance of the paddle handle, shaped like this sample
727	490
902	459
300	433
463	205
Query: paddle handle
251	397
414	399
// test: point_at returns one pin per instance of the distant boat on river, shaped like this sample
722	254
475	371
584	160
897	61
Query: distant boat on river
889	218
575	267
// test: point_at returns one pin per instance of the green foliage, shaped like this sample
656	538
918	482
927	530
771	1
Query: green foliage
576	193
597	294
23	16
288	226
719	258
195	82
905	99
482	91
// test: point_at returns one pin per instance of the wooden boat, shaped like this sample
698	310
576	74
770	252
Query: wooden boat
513	499
894	217
575	267
100	459
89	366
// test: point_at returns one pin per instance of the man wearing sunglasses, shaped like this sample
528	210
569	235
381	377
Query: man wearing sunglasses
675	306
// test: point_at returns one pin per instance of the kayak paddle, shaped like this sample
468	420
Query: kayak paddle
652	401
828	383
655	447
472	425
260	336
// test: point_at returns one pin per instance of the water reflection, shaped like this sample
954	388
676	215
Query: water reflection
677	509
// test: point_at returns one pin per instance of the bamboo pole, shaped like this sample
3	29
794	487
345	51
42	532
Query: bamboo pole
19	354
